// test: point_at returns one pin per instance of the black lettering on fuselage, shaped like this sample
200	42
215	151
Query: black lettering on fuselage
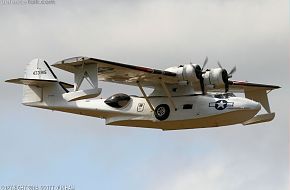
39	72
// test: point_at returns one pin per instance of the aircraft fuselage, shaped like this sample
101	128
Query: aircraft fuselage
191	111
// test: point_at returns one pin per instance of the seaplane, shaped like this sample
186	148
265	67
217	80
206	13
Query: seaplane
182	97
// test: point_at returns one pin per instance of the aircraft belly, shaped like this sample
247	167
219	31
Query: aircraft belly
202	112
229	118
199	112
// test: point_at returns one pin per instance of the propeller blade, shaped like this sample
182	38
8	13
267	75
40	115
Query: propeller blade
220	66
202	86
227	75
234	69
204	64
227	87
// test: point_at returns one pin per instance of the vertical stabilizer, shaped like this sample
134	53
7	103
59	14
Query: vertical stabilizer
40	83
39	69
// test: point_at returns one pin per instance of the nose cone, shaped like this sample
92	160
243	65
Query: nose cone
253	105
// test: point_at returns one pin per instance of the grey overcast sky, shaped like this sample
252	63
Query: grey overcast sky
39	147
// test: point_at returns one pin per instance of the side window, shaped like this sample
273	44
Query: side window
187	106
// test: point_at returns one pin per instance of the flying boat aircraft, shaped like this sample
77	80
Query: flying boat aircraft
183	97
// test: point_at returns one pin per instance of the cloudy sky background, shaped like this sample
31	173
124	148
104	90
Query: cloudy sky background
42	147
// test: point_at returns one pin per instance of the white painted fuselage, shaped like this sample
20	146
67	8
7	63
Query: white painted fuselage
191	111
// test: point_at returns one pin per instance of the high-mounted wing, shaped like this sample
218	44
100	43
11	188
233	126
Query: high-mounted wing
118	72
130	74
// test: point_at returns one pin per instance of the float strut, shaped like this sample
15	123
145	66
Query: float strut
145	96
168	94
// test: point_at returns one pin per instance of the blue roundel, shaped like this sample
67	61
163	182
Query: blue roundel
221	104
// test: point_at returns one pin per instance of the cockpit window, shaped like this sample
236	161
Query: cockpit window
225	95
230	94
118	100
218	96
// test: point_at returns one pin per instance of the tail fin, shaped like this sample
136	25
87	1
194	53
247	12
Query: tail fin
39	69
38	75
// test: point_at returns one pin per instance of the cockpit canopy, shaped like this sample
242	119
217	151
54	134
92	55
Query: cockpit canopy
224	95
118	100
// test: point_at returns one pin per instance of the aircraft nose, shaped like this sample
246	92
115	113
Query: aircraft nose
254	105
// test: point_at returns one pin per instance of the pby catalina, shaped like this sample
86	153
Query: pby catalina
183	97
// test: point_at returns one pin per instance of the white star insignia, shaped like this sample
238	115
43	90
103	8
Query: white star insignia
221	104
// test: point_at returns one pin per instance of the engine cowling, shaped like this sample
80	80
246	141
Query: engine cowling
189	72
216	77
194	73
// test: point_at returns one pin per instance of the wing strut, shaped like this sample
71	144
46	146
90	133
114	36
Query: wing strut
145	96
167	93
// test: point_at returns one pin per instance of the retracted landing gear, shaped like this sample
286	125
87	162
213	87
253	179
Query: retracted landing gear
162	112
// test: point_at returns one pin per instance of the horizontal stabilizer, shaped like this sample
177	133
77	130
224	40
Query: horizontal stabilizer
260	119
37	82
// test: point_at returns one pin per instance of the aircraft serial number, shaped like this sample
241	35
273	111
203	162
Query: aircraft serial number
39	72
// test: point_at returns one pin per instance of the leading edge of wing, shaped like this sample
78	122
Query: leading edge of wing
71	65
254	85
242	86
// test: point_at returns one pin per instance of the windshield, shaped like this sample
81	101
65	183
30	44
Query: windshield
224	95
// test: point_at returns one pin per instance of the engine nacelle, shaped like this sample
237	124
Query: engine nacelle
187	72
215	77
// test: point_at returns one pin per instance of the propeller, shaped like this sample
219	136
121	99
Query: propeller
226	75
199	72
234	69
204	63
